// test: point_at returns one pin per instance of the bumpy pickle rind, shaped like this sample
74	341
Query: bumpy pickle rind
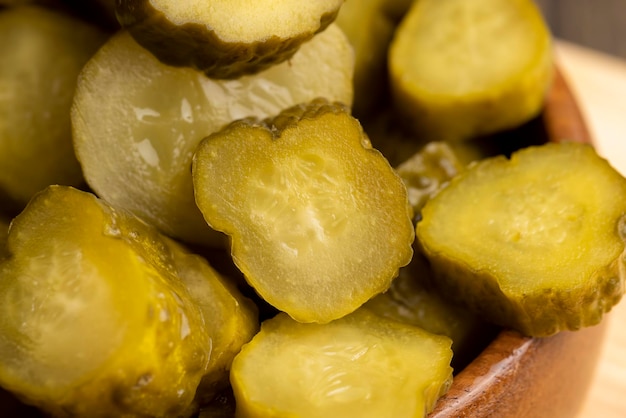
319	221
361	365
115	330
571	269
197	45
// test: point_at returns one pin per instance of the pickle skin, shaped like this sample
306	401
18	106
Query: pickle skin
525	278
197	46
150	335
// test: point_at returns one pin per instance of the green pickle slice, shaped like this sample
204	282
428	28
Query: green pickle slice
42	54
535	243
225	38
466	68
102	316
360	366
156	115
426	171
319	221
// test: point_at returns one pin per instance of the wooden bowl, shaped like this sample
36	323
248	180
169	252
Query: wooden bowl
517	376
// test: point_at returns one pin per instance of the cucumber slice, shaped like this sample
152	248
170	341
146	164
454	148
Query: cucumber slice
42	53
100	314
225	38
534	243
465	68
156	115
318	219
360	366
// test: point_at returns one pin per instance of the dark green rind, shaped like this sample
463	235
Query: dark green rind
539	314
198	46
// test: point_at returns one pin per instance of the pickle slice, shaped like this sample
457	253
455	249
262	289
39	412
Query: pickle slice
318	219
412	300
4	233
156	115
534	243
465	68
222	38
370	50
42	53
102	316
427	171
360	366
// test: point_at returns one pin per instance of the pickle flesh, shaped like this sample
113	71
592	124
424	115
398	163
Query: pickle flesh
534	242
318	219
157	115
360	366
100	315
222	38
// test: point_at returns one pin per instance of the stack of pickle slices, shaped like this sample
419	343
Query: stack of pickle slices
283	209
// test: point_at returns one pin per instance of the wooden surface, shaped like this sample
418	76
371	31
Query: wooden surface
599	82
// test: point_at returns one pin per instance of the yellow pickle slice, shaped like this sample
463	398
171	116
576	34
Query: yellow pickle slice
360	366
535	243
319	221
465	68
101	316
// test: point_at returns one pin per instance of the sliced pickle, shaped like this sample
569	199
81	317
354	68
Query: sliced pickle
319	221
42	53
360	366
412	300
535	243
156	115
465	68
225	38
4	233
102	316
427	171
370	49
